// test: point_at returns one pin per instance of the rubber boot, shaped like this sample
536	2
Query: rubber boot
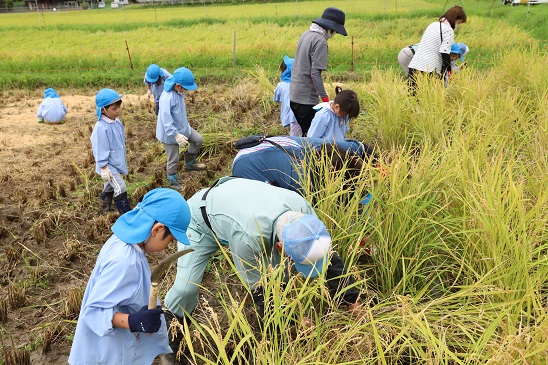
122	203
106	201
173	181
175	341
191	164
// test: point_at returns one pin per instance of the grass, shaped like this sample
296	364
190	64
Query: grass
457	222
88	48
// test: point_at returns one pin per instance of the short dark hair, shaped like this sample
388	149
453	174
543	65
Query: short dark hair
167	232
283	66
119	102
348	102
453	14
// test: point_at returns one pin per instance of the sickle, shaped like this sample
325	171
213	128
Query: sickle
157	275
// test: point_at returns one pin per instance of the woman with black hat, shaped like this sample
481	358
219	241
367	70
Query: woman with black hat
306	87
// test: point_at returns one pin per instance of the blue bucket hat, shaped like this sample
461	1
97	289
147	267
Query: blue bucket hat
332	18
104	98
182	76
153	73
307	242
286	75
463	50
455	48
50	93
161	205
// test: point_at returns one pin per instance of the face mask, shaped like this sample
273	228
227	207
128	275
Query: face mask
329	34
456	26
182	93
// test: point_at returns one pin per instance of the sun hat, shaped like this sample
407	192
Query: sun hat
182	76
50	93
286	75
161	205
332	18
463	50
153	73
306	240
104	98
455	48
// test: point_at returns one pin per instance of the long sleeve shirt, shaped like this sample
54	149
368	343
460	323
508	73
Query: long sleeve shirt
326	124
52	110
108	142
310	59
437	39
281	95
119	282
172	118
158	87
243	214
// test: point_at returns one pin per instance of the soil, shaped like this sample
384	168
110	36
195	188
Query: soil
51	226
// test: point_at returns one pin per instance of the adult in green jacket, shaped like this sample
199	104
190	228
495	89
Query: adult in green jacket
256	221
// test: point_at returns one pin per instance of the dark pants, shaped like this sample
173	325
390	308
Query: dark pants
412	78
304	115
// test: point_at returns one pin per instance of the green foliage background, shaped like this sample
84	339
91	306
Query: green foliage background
88	48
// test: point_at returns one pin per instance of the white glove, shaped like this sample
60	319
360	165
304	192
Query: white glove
106	175
148	93
181	140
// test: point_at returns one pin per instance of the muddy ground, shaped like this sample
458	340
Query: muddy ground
51	227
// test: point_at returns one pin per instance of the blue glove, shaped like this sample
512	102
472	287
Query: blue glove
146	320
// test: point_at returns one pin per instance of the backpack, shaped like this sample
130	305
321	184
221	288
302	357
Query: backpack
255	140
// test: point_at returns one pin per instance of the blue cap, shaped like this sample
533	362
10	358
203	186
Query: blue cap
286	75
463	50
455	48
104	98
307	242
161	205
182	76
153	73
50	93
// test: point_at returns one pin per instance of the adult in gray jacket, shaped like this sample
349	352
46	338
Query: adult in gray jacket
306	87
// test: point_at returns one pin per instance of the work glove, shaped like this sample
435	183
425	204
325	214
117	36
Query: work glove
182	141
148	93
146	320
325	99
106	175
40	121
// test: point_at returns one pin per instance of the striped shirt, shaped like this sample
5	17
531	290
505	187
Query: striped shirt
437	39
282	141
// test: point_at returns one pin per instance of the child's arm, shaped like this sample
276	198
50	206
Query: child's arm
120	320
39	112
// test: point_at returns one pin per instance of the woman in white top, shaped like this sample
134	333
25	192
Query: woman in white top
432	55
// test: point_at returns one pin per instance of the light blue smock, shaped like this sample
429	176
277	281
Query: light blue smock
51	109
281	95
172	118
108	142
157	87
326	124
243	215
120	282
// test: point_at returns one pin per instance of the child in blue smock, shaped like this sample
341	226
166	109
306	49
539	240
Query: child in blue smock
154	80
114	316
332	117
281	95
458	50
52	110
108	142
173	129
